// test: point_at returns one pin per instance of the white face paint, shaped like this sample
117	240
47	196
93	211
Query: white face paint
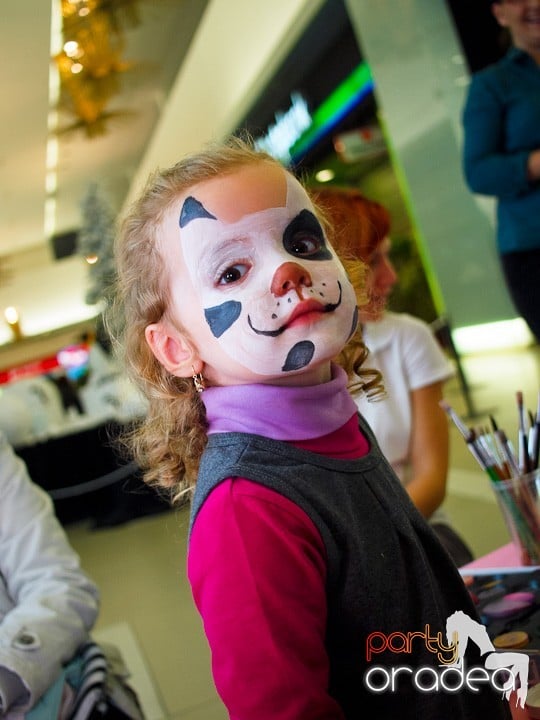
273	294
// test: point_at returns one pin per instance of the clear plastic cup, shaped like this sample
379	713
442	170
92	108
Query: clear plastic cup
519	501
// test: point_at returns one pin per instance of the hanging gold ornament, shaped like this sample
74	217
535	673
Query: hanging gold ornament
91	61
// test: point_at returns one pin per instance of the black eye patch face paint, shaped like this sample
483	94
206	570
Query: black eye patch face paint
192	209
304	238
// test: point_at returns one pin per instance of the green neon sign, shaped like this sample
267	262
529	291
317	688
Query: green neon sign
335	107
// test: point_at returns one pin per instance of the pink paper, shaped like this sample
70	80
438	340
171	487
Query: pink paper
504	559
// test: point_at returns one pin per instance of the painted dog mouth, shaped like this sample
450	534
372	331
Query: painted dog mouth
304	308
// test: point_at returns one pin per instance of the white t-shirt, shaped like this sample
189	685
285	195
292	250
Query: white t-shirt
404	349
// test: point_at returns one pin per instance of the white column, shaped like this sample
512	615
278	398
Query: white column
421	77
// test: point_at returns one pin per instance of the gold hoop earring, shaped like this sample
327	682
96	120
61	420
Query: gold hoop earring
198	381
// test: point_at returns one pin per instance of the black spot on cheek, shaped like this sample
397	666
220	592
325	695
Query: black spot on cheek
221	317
299	356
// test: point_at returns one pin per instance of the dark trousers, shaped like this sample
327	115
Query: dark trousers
522	274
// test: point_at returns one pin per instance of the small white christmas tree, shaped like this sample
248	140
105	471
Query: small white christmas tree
95	243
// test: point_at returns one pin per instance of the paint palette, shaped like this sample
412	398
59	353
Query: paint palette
508	604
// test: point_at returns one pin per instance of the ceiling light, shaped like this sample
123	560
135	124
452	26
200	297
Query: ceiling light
325	175
492	336
11	314
52	152
51	182
12	318
49	223
71	47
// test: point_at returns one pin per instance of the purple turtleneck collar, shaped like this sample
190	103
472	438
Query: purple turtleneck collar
280	413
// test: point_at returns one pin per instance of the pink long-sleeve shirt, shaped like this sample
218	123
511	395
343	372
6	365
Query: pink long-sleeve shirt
257	567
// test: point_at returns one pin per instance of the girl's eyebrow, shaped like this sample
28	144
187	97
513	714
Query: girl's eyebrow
222	246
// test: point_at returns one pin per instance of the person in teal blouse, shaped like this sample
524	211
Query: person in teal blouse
501	155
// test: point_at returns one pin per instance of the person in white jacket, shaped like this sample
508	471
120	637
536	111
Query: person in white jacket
47	603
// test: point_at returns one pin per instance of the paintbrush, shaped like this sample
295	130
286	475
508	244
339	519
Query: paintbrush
534	437
509	464
523	451
458	422
477	451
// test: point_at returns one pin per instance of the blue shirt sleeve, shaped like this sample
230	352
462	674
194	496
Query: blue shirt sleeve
489	168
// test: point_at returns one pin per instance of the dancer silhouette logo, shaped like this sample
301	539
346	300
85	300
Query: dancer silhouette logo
504	671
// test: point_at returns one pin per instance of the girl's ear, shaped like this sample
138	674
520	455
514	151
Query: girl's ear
172	349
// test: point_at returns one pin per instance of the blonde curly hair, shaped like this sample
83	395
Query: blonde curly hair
170	439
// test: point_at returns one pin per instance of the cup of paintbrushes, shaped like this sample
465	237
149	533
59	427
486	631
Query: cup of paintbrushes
519	501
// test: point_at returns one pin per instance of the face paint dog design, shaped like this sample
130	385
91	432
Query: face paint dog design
274	295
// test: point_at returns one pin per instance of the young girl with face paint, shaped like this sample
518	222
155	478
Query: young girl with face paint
302	541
